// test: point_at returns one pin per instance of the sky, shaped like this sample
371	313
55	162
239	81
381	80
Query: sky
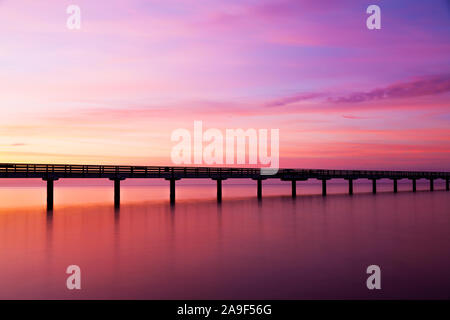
112	92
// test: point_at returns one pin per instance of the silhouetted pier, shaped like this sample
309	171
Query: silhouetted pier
53	172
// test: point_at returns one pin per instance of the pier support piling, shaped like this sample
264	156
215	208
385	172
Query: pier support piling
431	184
50	188
172	191
117	191
414	185
324	187
259	191
294	188
447	184
219	190
350	186
395	185
374	186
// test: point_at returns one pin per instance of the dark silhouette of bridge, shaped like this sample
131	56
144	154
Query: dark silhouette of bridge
53	172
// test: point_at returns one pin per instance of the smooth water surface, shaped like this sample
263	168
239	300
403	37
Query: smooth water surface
307	248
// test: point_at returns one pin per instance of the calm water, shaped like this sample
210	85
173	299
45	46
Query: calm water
311	247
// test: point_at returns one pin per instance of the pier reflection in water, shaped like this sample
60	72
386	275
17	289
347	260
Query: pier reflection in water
308	247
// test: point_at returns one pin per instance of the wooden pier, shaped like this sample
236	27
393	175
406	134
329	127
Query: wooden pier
53	172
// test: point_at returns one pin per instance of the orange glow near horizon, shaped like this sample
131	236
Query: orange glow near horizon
113	92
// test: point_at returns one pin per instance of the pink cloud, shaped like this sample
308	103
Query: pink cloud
293	99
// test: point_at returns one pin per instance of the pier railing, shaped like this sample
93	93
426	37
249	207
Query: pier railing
109	171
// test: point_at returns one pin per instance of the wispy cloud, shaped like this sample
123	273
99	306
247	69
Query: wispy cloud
350	116
17	144
293	99
425	86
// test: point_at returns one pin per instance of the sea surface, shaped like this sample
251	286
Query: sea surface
310	247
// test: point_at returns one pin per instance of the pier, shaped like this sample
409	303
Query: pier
53	172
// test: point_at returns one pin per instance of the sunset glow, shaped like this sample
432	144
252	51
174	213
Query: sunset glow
112	92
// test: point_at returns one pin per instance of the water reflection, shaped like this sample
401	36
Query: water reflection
312	247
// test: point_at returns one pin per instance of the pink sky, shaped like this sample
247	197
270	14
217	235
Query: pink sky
342	96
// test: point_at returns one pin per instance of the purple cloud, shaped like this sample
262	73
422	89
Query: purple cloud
293	99
421	87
